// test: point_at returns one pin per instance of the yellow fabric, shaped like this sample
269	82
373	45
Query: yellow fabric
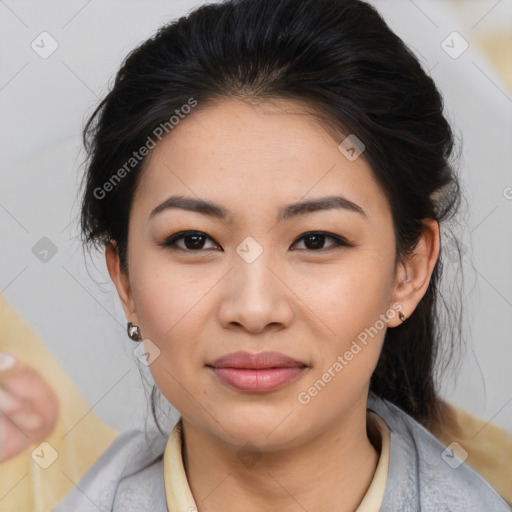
179	496
488	446
498	47
375	493
177	491
24	485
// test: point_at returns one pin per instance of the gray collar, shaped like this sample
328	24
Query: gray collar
422	474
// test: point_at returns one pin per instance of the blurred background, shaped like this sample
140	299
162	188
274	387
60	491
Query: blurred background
48	90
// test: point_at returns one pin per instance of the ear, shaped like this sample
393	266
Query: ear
414	273
121	281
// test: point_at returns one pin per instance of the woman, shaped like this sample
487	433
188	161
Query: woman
268	179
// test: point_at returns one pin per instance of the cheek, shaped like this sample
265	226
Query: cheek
347	297
352	304
171	322
171	313
347	355
167	295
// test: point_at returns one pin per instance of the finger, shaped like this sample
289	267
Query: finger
7	361
8	402
27	420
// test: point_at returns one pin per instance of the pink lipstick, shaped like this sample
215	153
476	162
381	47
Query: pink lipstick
257	373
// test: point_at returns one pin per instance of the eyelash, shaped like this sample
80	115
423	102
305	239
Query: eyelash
339	242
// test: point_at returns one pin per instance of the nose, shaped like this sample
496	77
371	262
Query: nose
256	296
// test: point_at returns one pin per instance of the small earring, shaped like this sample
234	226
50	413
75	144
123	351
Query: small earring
402	316
133	332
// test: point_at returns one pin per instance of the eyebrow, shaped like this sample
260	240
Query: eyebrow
218	211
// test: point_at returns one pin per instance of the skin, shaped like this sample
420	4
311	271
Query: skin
29	409
308	303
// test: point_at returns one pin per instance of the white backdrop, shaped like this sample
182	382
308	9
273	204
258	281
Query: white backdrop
43	105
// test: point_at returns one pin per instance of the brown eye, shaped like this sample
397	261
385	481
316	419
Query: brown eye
192	241
315	241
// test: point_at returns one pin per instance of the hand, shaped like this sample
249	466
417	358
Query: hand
29	408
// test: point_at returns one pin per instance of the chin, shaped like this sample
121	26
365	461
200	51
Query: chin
268	428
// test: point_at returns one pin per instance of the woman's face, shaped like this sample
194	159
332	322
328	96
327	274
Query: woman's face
254	280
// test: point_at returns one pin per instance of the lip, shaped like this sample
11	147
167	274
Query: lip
257	361
257	373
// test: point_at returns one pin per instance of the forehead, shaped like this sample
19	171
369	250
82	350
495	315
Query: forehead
265	154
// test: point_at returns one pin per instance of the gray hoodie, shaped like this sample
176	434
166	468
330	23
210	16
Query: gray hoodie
422	476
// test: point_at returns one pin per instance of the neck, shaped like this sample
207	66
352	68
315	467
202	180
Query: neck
332	471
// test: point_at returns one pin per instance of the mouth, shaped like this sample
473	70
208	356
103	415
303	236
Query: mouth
257	373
